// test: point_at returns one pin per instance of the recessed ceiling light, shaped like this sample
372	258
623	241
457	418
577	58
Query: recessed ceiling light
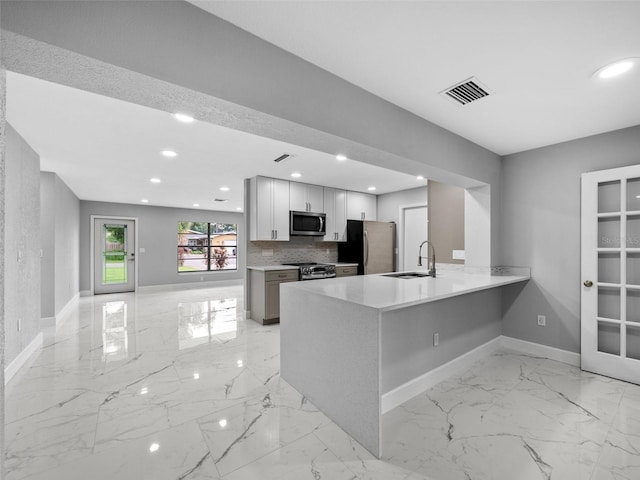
239	209
183	117
296	175
341	157
145	200
224	189
154	180
637	196
420	177
196	204
616	68
371	189
154	447
169	153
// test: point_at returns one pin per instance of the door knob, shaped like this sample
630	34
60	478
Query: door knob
588	283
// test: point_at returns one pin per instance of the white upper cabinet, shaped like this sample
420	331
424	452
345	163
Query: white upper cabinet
335	206
269	209
305	198
361	206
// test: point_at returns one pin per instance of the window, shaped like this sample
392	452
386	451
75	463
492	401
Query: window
204	246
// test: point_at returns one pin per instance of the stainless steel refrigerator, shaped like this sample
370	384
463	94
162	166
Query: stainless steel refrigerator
369	244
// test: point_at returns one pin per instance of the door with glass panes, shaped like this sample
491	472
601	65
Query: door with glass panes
610	240
114	255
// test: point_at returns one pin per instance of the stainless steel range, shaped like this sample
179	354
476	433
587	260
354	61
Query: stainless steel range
315	271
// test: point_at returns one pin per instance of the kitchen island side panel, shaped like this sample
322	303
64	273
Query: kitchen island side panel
330	354
462	323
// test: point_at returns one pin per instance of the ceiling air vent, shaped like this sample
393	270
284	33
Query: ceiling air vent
467	91
282	157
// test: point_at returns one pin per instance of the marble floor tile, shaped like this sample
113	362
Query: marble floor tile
177	453
176	384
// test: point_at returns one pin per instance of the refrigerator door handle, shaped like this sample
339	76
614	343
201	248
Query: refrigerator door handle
366	251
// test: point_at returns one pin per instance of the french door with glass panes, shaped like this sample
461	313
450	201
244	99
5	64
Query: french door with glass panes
610	308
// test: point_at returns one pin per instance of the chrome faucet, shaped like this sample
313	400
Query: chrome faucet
432	261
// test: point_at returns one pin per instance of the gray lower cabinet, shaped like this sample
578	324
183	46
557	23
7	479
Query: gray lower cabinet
346	271
265	293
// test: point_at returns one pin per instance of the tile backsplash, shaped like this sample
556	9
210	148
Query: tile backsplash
297	249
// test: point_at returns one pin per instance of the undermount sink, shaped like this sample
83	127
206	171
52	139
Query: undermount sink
407	275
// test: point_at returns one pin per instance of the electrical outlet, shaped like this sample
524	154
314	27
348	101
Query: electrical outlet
542	320
436	339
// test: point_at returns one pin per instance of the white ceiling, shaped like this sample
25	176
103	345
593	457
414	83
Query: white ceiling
107	150
536	57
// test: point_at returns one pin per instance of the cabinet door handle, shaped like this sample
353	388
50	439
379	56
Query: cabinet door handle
276	237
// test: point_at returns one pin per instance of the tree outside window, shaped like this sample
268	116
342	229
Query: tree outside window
207	246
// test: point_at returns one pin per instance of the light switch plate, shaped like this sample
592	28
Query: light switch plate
458	254
142	250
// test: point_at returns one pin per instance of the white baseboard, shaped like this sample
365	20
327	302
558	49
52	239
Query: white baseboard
538	350
22	358
46	322
192	285
414	387
85	293
62	315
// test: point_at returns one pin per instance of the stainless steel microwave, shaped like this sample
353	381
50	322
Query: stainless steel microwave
307	224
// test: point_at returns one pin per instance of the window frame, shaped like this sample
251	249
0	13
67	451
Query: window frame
208	247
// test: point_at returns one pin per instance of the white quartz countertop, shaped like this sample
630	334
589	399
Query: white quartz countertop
387	293
271	268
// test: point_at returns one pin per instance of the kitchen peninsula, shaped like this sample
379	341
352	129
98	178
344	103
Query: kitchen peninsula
359	346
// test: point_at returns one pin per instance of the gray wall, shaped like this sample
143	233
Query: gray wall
389	203
446	220
3	99
541	229
407	335
389	209
67	240
60	243
158	235
48	244
22	244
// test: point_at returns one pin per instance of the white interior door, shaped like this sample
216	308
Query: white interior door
415	232
610	308
114	255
